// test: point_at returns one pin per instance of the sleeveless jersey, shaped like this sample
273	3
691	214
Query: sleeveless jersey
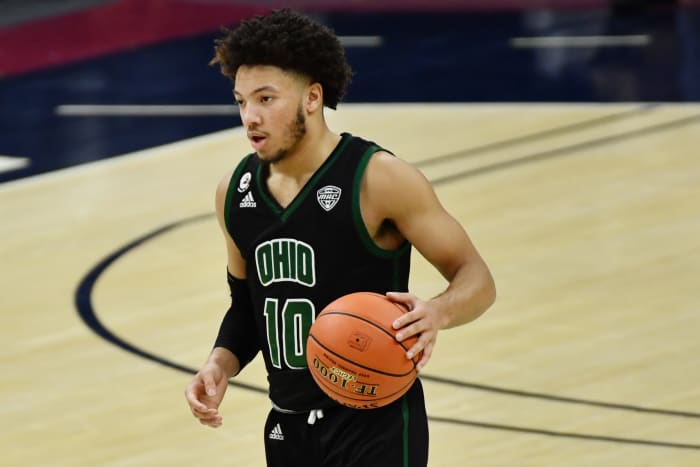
302	257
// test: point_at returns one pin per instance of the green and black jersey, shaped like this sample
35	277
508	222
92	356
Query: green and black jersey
302	257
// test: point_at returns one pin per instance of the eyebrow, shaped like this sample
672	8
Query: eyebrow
266	87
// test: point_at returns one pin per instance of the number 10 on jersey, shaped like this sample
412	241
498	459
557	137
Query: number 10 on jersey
287	331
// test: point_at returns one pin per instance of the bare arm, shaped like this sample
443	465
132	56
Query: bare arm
236	266
236	263
208	387
398	192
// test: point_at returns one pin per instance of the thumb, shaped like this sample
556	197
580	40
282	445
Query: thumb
209	385
407	301
404	298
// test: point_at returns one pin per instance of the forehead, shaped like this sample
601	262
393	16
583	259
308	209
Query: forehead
250	78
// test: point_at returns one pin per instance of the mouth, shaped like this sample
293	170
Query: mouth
257	140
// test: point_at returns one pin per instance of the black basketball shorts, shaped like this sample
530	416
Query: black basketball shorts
392	436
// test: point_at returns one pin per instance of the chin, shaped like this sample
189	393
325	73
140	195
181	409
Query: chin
272	158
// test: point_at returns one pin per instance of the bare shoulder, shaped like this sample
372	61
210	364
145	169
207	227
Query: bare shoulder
384	164
221	191
396	184
236	263
224	182
399	192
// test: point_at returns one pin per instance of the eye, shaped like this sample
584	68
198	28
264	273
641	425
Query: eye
266	99
240	102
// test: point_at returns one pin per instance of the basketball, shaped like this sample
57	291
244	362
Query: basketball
353	354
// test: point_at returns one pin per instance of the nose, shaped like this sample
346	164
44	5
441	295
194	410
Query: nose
250	116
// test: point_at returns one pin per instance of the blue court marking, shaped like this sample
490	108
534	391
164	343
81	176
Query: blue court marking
86	310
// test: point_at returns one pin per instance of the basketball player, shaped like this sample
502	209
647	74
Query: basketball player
308	217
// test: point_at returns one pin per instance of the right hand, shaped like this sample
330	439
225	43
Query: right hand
205	393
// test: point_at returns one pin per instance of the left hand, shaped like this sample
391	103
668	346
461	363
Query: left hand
422	320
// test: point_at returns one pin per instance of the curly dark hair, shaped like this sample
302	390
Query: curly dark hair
290	41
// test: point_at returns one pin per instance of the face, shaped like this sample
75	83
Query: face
270	103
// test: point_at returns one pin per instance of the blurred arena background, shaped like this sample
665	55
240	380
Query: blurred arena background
564	134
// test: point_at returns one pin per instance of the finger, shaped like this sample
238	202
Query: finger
427	352
214	423
407	300
202	411
424	344
414	329
210	414
193	400
406	319
415	349
214	419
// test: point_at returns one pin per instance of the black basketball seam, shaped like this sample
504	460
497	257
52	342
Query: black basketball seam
326	313
332	388
393	375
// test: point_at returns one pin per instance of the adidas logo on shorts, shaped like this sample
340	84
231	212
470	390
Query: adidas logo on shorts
248	201
276	433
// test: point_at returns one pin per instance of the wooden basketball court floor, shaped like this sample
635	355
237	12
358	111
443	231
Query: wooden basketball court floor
588	215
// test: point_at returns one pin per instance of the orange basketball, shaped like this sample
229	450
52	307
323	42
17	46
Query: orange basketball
353	354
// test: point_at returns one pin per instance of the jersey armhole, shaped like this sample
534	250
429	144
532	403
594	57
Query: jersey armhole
357	212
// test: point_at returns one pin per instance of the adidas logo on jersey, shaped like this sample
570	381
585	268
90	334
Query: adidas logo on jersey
248	201
276	433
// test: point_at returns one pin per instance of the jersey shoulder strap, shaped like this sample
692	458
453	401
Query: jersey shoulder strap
243	183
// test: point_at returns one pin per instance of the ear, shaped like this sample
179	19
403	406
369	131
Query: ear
313	101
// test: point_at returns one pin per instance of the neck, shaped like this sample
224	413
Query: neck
309	154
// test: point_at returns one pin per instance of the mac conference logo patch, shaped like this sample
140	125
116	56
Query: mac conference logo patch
328	196
244	182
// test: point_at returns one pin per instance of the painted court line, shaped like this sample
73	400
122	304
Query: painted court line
8	163
139	110
361	41
635	40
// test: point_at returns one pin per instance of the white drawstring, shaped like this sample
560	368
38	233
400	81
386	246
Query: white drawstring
314	415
